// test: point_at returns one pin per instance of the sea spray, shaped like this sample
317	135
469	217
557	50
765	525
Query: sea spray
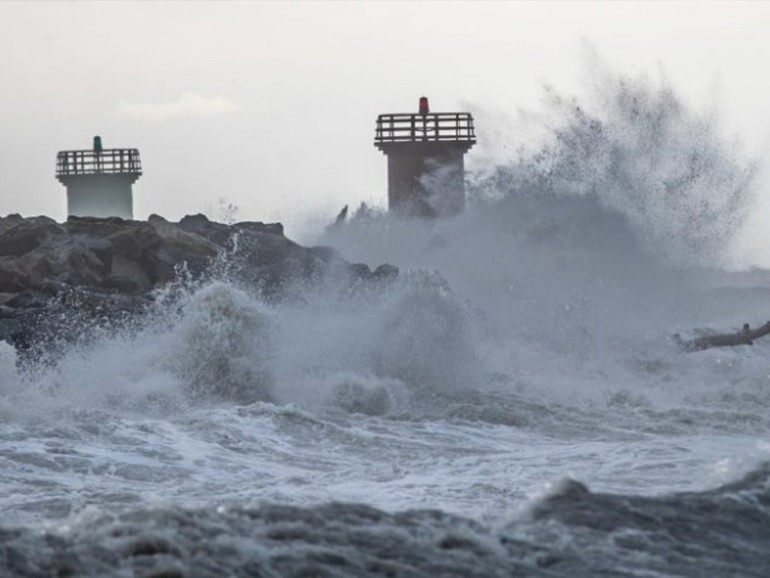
223	345
401	427
412	334
580	258
635	146
213	341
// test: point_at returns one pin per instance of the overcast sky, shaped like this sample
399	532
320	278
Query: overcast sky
271	106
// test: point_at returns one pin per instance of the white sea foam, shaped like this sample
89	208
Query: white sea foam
526	340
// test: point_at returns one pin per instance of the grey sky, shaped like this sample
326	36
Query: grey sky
271	106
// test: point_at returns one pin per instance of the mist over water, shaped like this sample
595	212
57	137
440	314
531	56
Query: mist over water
613	232
526	340
634	146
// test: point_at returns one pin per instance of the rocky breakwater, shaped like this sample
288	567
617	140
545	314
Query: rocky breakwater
59	280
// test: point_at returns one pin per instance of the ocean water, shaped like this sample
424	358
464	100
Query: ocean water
514	404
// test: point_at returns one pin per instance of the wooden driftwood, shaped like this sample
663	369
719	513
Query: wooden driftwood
745	336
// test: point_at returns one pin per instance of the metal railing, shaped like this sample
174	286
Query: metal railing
93	162
431	127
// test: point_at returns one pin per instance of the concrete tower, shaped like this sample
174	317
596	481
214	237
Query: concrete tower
425	153
99	180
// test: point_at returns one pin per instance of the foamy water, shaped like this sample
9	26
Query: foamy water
526	341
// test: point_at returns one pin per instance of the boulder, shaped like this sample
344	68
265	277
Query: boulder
12	278
20	237
93	270
178	246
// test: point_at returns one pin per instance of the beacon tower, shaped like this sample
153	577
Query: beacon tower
425	153
99	180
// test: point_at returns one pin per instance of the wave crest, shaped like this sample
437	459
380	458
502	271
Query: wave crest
639	150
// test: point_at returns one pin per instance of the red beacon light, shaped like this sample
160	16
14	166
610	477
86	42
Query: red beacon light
424	108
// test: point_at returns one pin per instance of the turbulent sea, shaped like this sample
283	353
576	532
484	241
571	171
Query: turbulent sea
514	404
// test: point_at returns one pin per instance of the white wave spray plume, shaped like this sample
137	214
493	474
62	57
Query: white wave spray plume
581	257
525	340
638	149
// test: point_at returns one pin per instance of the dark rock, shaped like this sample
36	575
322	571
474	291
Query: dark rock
361	270
134	243
9	221
123	284
56	280
94	228
28	300
260	227
343	214
131	271
221	234
385	272
26	235
217	233
178	246
101	248
12	278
